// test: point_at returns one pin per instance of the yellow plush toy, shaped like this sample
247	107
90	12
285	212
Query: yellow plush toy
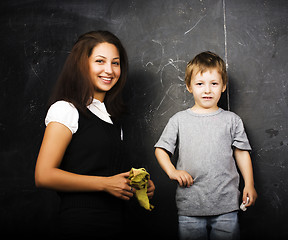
139	180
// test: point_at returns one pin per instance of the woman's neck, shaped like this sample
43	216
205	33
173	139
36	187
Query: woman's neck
100	96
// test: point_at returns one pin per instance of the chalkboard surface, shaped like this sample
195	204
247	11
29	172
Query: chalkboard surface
160	36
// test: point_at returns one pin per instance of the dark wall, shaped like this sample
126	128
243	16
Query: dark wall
257	36
160	37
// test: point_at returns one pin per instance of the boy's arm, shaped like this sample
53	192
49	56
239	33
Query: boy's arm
245	166
184	179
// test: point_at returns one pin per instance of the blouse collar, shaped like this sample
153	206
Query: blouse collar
100	106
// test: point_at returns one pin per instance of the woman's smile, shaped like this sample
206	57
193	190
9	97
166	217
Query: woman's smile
104	66
106	80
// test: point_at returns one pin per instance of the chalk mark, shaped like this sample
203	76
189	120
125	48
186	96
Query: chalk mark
194	25
151	63
177	85
172	63
226	53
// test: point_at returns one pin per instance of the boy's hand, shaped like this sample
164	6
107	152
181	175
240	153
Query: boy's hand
250	192
184	179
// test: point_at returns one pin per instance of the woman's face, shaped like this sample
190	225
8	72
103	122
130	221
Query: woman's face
104	68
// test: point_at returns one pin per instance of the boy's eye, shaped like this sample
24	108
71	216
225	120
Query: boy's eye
199	84
215	84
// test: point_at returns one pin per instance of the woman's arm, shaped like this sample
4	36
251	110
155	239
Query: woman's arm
48	175
245	166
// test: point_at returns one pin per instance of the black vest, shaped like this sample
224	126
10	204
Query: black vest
95	149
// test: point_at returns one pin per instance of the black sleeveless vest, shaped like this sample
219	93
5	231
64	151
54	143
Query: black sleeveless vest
95	149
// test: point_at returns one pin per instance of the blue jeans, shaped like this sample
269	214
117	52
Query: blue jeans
220	227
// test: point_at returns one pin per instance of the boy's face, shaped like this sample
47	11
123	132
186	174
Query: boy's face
206	89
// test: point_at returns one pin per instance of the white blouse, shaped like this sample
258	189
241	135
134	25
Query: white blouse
65	113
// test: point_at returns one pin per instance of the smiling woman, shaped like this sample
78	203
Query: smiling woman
80	156
104	69
75	83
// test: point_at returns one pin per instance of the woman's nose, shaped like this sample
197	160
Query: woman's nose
108	68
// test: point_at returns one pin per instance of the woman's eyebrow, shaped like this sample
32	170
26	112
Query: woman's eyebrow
100	56
106	58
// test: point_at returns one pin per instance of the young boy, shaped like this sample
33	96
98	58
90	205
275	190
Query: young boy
208	137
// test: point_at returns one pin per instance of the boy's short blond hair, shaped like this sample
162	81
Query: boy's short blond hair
205	61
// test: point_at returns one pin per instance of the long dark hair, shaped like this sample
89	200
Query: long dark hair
74	84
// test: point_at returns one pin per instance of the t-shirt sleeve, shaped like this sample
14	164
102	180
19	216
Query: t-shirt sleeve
65	113
169	136
240	139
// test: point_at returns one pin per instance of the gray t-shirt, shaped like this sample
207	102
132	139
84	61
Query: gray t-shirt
206	144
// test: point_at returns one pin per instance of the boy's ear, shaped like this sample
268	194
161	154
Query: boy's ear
224	88
189	88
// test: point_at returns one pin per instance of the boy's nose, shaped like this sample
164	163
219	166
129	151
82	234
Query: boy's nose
207	89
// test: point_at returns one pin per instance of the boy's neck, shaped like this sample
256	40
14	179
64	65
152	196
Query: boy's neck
200	110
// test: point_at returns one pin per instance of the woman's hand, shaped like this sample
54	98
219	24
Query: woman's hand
150	189
119	186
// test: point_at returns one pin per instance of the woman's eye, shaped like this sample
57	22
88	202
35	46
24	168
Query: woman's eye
116	63
99	61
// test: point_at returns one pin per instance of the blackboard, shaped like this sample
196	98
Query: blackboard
160	37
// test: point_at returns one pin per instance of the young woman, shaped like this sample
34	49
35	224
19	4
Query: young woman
80	156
